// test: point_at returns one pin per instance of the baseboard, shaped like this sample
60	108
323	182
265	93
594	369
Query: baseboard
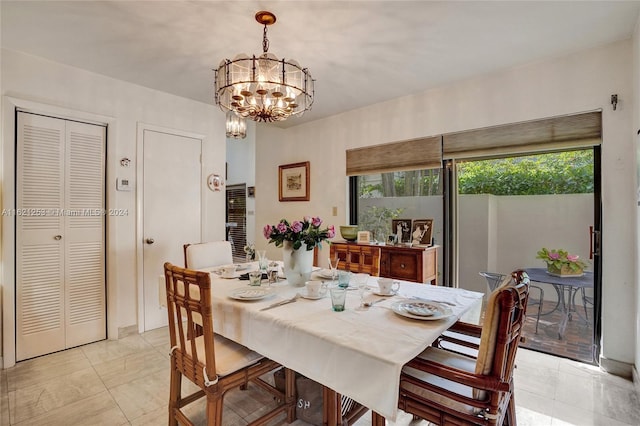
617	368
636	381
127	331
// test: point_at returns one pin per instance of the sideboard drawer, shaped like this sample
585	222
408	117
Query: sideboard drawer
403	266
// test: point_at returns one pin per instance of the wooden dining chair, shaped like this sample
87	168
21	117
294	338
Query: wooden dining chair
449	387
494	279
206	255
213	363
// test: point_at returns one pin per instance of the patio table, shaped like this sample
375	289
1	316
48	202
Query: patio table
356	353
570	285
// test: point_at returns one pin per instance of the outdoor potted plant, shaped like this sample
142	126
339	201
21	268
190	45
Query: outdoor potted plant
562	264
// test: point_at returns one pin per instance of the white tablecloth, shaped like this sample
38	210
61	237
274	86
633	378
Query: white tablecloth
356	353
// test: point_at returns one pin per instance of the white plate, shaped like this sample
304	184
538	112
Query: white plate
377	293
241	266
426	311
250	293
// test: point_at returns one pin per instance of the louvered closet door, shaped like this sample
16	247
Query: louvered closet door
39	255
84	234
60	235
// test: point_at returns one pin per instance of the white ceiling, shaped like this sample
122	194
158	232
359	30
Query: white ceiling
359	52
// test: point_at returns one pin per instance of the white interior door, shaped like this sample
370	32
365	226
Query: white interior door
60	261
171	210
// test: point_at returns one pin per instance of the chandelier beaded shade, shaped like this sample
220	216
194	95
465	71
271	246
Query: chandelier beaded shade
263	88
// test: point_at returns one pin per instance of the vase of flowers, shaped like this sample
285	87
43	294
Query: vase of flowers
562	264
298	239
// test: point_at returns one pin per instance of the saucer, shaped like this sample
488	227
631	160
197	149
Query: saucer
304	295
378	293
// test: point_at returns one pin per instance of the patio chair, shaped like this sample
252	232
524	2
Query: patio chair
206	255
494	279
213	363
449	388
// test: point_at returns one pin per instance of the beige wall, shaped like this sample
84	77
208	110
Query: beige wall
50	87
573	83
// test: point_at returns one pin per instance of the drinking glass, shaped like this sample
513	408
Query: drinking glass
272	273
333	264
361	282
263	262
255	278
338	297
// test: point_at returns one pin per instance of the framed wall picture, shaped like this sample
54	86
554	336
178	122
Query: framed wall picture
293	182
402	228
422	232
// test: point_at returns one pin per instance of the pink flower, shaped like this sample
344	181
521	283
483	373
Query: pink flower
554	256
316	221
266	231
572	257
331	232
296	226
307	219
282	227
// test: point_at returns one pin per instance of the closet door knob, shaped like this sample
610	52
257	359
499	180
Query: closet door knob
57	237
150	241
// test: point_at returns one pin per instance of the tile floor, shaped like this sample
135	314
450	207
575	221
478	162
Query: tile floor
577	343
125	382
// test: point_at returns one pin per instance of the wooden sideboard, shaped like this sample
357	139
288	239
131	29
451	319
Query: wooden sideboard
417	264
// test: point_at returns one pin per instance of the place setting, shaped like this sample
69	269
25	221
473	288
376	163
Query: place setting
314	290
251	293
421	310
231	271
386	287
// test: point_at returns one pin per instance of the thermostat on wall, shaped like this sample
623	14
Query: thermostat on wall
124	184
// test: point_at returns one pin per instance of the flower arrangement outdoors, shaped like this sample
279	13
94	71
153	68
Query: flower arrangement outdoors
307	232
560	262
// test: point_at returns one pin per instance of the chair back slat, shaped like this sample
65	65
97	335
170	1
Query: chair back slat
188	299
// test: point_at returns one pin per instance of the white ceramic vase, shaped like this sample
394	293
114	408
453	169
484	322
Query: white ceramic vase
297	264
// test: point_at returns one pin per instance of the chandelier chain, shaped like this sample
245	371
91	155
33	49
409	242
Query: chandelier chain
265	40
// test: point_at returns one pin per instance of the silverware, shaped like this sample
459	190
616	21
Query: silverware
368	304
444	302
282	302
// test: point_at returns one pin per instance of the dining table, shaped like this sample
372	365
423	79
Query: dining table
566	288
359	352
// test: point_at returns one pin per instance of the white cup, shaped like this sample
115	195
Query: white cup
228	271
313	288
388	286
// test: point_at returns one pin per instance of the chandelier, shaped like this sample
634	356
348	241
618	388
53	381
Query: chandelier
263	88
236	126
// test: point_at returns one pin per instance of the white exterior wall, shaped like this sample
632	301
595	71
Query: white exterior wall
53	87
573	83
